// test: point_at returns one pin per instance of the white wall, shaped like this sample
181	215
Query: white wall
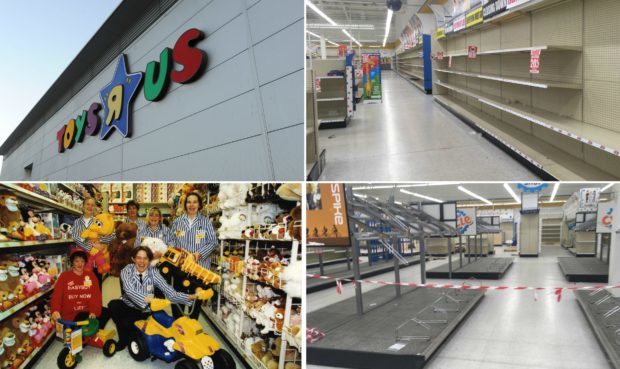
242	120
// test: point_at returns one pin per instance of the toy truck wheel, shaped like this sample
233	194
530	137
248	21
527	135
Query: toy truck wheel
165	268
109	348
66	360
186	364
138	349
223	360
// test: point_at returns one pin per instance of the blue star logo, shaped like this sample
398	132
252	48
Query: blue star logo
115	99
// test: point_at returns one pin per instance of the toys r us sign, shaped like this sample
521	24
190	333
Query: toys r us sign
120	92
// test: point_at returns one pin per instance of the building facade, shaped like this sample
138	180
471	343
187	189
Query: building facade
174	90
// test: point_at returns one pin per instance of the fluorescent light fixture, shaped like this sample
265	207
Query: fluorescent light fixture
368	27
431	184
463	189
421	196
313	34
331	42
398	202
362	196
512	193
388	22
372	187
484	204
351	37
319	12
606	187
554	192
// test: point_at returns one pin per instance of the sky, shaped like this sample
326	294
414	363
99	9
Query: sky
38	40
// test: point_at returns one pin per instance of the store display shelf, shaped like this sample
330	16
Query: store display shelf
331	99
518	10
255	239
517	81
11	244
410	57
600	138
69	189
416	75
336	119
7	313
411	65
309	131
38	199
550	161
521	50
221	327
37	350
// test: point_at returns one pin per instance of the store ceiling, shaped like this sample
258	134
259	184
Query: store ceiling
494	192
359	12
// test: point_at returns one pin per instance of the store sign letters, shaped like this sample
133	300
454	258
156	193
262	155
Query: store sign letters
513	3
493	8
117	96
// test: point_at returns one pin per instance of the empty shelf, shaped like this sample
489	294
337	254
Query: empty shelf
330	77
521	50
517	81
412	74
602	139
331	99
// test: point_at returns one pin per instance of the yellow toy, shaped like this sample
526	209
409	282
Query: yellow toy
102	225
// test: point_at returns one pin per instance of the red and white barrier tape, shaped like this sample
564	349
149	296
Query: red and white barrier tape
313	335
557	290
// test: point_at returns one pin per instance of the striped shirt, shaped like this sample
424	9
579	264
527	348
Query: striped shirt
139	222
79	225
197	237
134	292
162	232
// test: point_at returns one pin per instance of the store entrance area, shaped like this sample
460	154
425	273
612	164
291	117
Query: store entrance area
408	136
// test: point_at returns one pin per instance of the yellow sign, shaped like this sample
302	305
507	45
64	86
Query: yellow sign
474	17
441	33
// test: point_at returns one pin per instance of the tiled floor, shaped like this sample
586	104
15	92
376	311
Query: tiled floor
409	137
510	329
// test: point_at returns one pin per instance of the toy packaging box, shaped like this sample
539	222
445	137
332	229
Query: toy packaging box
51	222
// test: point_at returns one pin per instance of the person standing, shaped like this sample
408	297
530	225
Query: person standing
80	224
193	232
132	214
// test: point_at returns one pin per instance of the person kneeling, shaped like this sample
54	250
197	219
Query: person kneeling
77	295
139	281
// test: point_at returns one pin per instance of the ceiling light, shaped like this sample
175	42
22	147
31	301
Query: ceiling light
461	205
512	193
421	196
319	12
369	27
331	42
398	202
554	192
351	37
606	187
428	184
362	196
373	187
388	22
313	34
463	189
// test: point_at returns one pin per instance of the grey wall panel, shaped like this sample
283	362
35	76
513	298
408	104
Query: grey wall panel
284	154
210	165
251	3
92	146
60	175
219	124
281	54
100	165
213	88
281	101
271	16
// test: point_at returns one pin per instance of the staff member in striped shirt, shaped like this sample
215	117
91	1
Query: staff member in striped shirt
193	232
80	224
155	229
132	214
139	283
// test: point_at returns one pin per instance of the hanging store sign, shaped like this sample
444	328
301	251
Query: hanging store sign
493	7
459	23
466	221
440	55
514	3
535	61
588	199
532	186
474	17
440	33
317	85
118	95
449	28
326	215
605	217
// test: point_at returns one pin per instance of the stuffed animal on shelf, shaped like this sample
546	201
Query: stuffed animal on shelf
11	219
35	229
157	246
294	226
232	195
120	248
292	277
102	225
233	223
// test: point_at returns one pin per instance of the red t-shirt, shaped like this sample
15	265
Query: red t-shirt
76	293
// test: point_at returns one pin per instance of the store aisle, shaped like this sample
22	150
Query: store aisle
509	329
93	358
408	136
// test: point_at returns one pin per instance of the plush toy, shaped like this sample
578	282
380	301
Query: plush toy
233	222
11	219
294	226
65	230
249	342
292	365
120	248
35	229
232	195
265	316
102	225
292	276
265	213
259	348
177	200
156	245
